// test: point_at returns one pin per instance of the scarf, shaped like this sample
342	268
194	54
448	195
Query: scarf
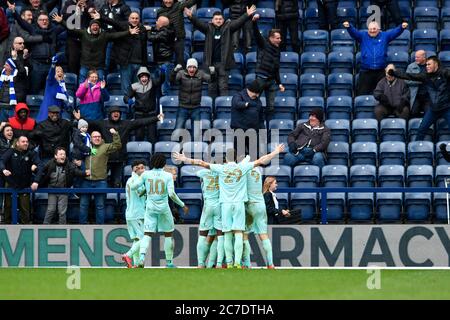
61	92
12	93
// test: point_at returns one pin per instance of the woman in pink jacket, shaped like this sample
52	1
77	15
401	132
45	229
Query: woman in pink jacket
92	94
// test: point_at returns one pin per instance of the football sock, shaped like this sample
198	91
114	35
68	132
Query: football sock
168	249
238	247
201	250
267	246
228	246
220	250
212	259
246	253
145	242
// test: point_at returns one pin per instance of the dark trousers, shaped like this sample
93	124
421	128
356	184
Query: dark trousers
368	80
270	90
179	51
219	86
115	178
24	206
292	26
327	14
421	105
73	51
147	131
392	7
38	76
382	111
247	32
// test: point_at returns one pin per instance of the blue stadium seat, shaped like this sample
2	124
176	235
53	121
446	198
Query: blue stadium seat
420	153
341	41
71	81
199	127
220	148
365	130
363	15
413	126
349	14
445	18
338	153
138	150
442	131
315	41
313	62
340	129
198	41
289	62
249	78
290	83
339	107
265	4
223	107
166	128
401	43
169	105
399	58
166	148
340	62
392	153
266	16
285	108
426	17
444	40
389	205
222	125
426	3
198	56
188	176
444	56
419	176
364	107
206	14
306	104
312	85
393	129
114	83
312	21
391	176
305	176
361	204
194	202
439	158
250	62
284	127
440	199
417	206
111	207
149	15
364	153
195	149
33	102
425	39
282	173
239	62
335	176
340	84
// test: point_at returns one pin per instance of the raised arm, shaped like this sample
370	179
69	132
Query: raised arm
268	157
260	41
394	33
353	32
238	23
198	24
181	157
422	77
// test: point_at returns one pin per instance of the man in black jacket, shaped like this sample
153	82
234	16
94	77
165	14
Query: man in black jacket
246	109
10	74
142	97
58	173
237	9
21	58
123	127
268	66
218	55
286	14
174	11
437	82
17	166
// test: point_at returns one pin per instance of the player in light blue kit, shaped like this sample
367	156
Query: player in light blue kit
233	195
134	213
158	217
210	221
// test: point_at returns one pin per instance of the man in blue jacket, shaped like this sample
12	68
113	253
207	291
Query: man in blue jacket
374	46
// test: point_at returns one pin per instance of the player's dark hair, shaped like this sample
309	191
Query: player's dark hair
138	162
435	59
230	155
158	161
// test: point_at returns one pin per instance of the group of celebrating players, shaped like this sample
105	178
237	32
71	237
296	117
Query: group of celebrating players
233	206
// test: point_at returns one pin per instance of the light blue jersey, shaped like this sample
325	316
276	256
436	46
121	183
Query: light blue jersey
254	186
135	200
232	181
210	184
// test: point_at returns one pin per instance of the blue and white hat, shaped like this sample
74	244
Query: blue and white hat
11	63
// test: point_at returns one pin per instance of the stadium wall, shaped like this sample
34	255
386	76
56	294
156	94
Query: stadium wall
293	246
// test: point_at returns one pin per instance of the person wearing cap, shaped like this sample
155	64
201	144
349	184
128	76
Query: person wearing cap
309	141
123	127
92	94
93	45
141	97
190	94
246	109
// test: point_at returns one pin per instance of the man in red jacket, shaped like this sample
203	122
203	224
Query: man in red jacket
4	33
22	123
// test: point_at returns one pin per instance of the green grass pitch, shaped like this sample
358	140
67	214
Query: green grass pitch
173	284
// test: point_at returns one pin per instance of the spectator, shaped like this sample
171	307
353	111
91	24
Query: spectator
92	94
173	206
393	97
444	152
309	141
268	66
37	7
142	96
374	45
93	46
58	173
17	165
52	133
420	99
55	93
6	142
392	7
116	160
162	38
20	56
4	34
174	11
131	52
96	163
76	14
327	14
81	141
189	98
276	215
246	109
8	96
436	81
218	55
18	31
22	123
237	9
286	14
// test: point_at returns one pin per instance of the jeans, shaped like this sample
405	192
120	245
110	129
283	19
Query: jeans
293	160
38	77
429	118
183	114
128	76
99	199
164	68
84	72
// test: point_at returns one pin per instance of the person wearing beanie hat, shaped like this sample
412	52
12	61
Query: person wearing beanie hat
309	141
81	141
7	92
190	94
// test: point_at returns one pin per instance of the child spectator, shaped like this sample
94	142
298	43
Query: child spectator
81	141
